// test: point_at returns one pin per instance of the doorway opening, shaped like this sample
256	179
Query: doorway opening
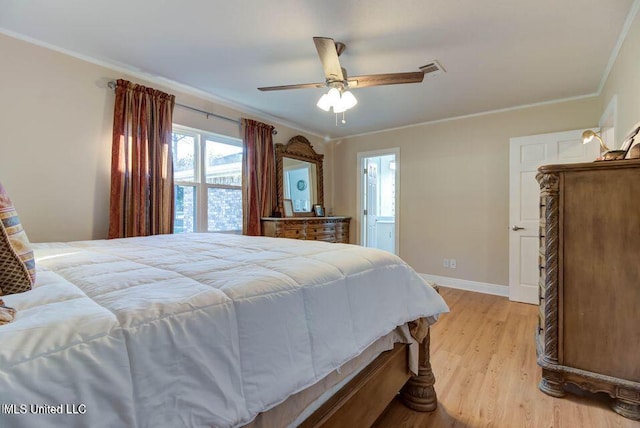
379	199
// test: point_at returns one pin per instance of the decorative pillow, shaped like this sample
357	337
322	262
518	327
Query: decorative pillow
17	263
7	314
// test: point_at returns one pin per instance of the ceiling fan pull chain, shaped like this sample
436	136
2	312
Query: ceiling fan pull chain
343	119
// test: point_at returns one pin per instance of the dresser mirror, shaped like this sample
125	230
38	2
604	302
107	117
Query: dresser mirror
299	176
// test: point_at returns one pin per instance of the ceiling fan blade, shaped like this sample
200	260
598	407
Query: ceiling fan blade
329	57
385	79
298	86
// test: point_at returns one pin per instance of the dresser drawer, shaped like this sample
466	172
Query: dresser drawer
292	232
320	229
325	238
342	237
342	232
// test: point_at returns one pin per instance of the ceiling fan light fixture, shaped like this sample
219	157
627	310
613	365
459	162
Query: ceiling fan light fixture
324	103
340	102
348	100
343	104
334	96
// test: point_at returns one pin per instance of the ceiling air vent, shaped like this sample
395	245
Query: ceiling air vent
432	69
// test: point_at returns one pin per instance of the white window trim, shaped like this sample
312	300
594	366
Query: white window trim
200	183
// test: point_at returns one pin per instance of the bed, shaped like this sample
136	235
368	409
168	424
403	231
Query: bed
198	330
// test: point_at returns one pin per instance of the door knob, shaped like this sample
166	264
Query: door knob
516	228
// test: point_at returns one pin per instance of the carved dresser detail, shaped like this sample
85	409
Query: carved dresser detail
589	325
329	229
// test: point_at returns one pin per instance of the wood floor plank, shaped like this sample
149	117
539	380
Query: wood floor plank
483	356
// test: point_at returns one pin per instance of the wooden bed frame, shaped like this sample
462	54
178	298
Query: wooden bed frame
361	401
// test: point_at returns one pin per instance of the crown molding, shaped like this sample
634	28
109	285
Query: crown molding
616	50
467	116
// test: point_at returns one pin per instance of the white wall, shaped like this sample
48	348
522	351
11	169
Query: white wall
56	114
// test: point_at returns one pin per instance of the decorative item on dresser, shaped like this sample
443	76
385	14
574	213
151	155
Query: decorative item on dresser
607	153
631	143
329	229
589	328
287	208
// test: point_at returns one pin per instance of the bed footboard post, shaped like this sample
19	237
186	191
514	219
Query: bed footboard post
418	393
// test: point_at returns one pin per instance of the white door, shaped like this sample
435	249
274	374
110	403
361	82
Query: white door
378	199
526	155
371	198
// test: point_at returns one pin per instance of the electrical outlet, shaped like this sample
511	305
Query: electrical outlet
452	263
445	263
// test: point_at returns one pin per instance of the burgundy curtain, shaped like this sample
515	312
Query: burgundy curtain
141	162
258	175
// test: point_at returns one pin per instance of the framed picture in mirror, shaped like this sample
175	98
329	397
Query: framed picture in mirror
287	206
318	210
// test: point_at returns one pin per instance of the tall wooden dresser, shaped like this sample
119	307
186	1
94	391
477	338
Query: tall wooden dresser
329	229
589	327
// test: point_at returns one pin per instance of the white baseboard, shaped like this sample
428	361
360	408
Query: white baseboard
463	284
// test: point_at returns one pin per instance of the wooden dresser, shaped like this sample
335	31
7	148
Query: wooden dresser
329	229
589	327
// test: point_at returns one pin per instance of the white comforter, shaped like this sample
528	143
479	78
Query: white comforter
193	330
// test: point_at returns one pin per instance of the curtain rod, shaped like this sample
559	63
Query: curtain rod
112	85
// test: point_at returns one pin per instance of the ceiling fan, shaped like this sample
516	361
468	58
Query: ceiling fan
339	83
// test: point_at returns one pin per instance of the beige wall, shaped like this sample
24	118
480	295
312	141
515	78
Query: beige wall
56	114
624	83
454	185
454	175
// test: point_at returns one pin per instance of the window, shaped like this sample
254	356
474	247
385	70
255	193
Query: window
208	181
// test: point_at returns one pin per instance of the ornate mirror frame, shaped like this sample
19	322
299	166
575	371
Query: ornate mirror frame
301	149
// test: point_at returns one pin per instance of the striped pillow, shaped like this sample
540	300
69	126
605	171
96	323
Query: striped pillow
17	263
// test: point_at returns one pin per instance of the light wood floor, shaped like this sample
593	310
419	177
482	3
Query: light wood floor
484	359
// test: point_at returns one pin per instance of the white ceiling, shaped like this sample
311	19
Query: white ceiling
498	54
